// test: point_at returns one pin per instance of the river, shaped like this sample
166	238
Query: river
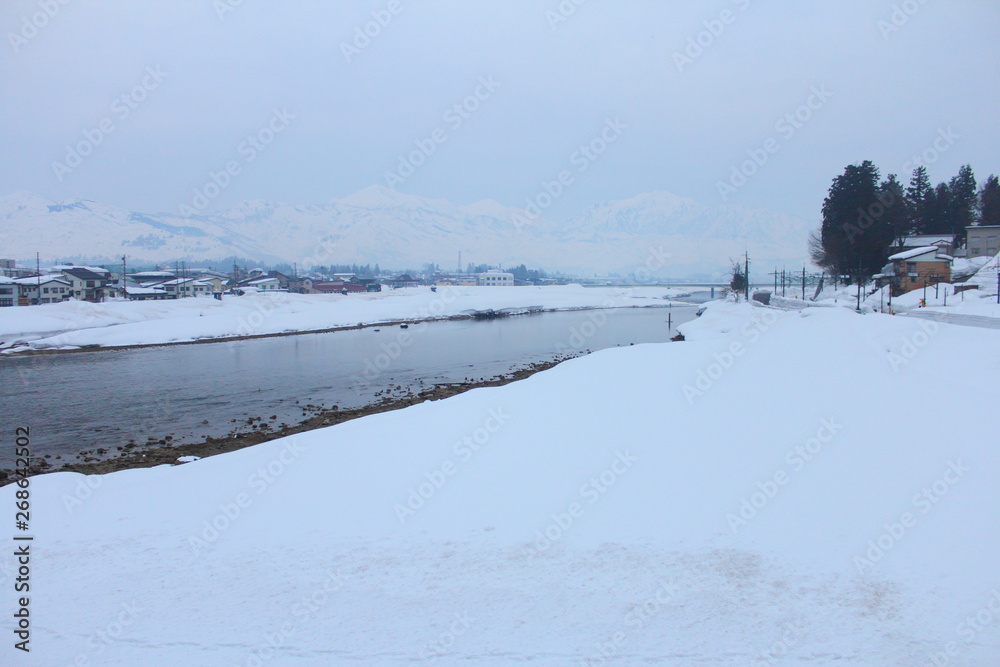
104	399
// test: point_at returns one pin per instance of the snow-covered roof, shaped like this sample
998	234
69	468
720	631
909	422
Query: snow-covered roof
259	281
916	252
152	274
927	239
132	289
34	280
178	281
93	269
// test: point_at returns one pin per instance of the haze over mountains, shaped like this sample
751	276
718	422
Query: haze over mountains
670	236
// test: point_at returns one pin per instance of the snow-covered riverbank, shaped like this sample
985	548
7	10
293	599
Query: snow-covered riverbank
778	488
119	323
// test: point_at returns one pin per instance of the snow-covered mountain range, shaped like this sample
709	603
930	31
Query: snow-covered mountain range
658	232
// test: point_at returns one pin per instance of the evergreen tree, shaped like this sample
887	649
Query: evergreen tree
855	235
938	212
898	215
919	196
962	204
989	202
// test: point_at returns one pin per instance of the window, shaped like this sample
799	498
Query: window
45	290
911	268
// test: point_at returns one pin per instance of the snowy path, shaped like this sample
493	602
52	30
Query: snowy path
955	318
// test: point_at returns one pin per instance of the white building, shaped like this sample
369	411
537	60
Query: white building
495	278
9	292
45	289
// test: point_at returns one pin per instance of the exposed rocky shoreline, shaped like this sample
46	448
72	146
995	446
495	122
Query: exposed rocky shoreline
161	452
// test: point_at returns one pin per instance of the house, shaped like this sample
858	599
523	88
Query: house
51	288
10	292
87	283
495	278
204	287
919	268
217	282
285	282
983	241
943	242
263	284
404	280
150	278
134	292
178	287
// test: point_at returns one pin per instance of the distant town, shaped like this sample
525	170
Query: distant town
28	286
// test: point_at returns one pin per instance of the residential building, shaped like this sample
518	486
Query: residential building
87	283
10	291
263	284
495	278
178	287
943	242
51	288
134	292
983	241
919	268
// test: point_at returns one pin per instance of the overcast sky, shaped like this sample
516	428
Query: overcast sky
200	76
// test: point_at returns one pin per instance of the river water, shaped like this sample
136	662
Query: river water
103	399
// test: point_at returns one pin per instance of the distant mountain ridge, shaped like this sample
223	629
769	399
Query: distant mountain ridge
670	236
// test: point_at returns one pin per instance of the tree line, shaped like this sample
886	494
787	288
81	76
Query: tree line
864	216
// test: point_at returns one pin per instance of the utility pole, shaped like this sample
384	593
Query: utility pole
859	288
38	279
124	293
746	275
803	283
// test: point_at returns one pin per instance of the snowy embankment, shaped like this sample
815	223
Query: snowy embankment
780	488
118	323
